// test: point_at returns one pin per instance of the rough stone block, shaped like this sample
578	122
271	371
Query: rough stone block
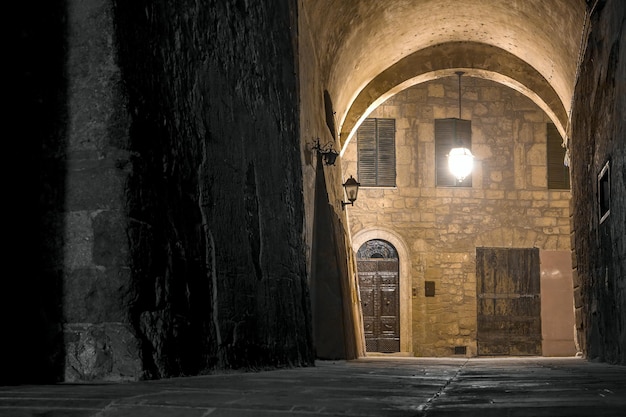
110	240
533	116
536	155
97	295
494	194
480	109
78	249
94	183
578	299
436	90
489	94
539	176
102	352
563	241
392	112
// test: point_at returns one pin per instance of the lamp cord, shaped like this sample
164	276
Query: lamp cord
459	73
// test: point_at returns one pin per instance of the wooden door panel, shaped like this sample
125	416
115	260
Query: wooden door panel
486	308
367	301
388	326
367	266
378	288
388	301
525	347
389	336
368	326
388	265
509	303
492	348
389	279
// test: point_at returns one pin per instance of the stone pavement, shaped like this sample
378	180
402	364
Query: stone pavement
374	386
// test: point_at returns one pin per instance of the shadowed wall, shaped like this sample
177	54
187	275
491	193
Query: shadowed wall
598	137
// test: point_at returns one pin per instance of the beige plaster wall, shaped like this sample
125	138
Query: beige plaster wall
557	304
508	205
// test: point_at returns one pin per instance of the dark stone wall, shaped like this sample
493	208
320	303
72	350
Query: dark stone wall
215	207
159	215
97	287
599	135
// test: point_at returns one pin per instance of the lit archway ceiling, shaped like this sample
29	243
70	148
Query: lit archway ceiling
475	59
369	50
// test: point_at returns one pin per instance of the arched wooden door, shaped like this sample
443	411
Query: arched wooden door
377	267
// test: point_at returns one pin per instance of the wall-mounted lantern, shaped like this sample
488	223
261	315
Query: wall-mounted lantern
352	190
460	159
329	155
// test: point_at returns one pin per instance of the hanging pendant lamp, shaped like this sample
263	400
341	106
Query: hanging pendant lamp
460	158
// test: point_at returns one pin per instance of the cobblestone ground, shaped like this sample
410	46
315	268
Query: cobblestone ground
377	386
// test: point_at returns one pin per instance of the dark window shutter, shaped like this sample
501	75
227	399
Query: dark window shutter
366	148
450	133
558	173
386	130
376	147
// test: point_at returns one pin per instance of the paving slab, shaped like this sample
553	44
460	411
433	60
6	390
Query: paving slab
368	387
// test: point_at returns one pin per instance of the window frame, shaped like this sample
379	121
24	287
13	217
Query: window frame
604	192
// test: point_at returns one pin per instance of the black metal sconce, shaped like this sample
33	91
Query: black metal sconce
352	190
328	153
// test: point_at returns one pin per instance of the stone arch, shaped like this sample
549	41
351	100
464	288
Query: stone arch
475	59
377	249
406	310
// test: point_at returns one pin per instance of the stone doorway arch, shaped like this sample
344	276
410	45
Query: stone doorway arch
404	279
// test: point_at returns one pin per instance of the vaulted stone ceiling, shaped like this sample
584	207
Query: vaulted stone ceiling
369	50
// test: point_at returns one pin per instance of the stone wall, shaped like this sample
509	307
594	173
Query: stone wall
169	236
97	282
329	256
72	300
598	136
215	205
508	205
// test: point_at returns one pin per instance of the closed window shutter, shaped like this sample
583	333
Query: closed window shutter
376	147
366	148
450	133
558	173
386	152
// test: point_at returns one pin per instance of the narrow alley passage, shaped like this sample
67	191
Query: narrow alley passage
375	386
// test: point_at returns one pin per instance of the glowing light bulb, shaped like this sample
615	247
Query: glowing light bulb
460	162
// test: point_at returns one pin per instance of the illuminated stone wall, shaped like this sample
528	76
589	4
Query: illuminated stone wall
508	205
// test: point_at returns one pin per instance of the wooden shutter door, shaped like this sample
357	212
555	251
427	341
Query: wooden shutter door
509	303
367	153
386	130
